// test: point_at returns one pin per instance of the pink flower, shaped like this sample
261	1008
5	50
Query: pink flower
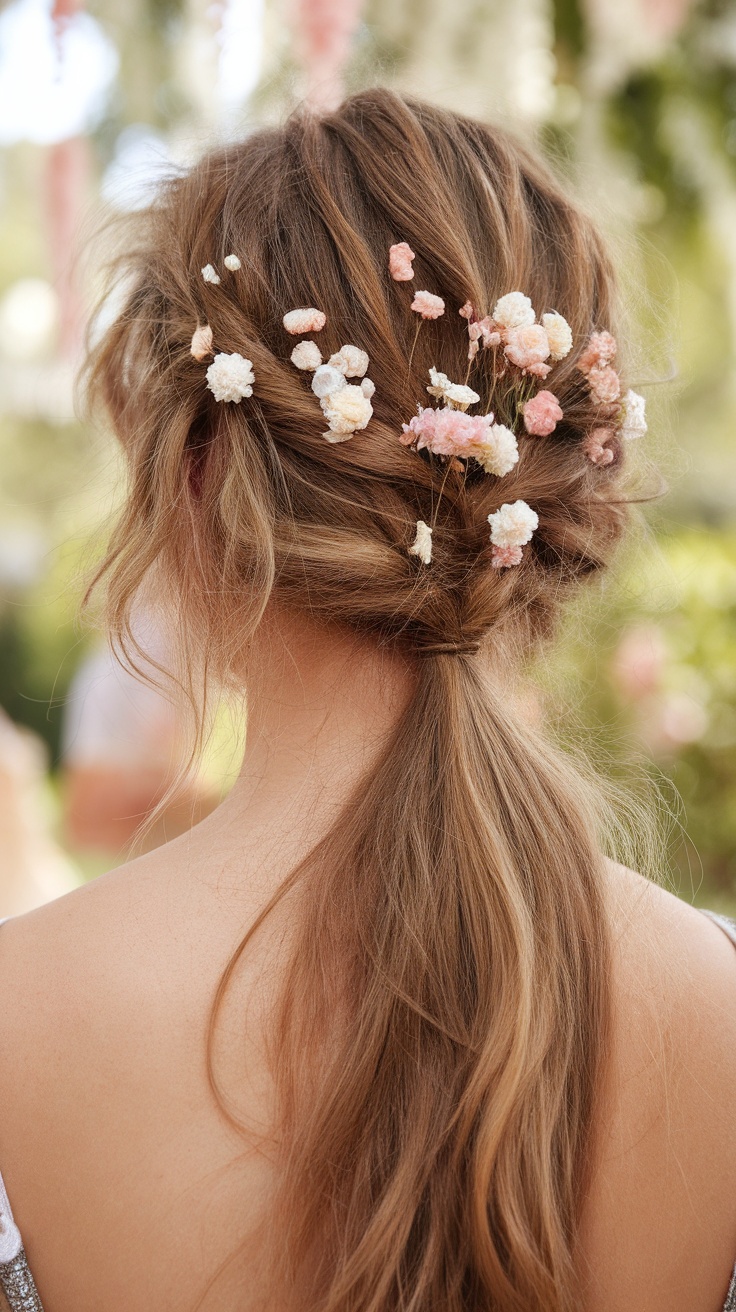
599	352
467	311
595	447
505	557
542	414
400	257
428	305
447	432
539	370
605	384
527	346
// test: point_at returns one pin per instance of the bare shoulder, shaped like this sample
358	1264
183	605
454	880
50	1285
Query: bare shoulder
659	1227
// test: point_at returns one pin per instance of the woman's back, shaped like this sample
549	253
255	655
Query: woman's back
131	1190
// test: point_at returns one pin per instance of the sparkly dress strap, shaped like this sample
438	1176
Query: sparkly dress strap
16	1281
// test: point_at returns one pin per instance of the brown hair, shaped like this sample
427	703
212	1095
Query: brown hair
436	1155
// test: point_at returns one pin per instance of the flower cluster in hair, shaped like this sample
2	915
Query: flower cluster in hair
531	347
346	406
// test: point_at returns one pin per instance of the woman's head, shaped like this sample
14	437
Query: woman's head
435	1126
229	500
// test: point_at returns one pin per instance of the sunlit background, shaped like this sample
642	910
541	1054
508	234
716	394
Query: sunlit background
634	100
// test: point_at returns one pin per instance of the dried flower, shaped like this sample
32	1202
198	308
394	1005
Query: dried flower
633	416
505	557
498	452
542	414
346	410
466	310
230	377
327	380
456	394
210	274
232	263
304	321
594	446
306	355
201	342
367	387
422	544
513	524
428	305
599	352
514	310
351	361
400	257
559	335
527	347
605	384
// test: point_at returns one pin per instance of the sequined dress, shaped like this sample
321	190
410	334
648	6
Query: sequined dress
17	1283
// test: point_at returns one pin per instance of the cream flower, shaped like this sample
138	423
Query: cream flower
304	321
559	335
513	525
210	274
230	377
327	380
367	387
456	394
351	361
346	411
428	305
633	416
232	263
514	310
499	451
306	355
422	544
201	345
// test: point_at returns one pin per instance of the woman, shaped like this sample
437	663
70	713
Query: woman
385	1031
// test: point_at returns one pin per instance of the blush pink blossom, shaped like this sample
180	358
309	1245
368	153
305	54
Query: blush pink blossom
400	257
605	385
595	447
505	557
527	346
447	432
542	414
539	370
304	320
466	310
599	352
428	305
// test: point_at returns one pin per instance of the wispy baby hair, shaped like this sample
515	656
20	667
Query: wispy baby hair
435	1125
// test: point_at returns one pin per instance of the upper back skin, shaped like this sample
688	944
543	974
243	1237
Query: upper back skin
132	1190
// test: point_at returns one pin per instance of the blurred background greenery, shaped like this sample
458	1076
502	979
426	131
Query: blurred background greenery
634	101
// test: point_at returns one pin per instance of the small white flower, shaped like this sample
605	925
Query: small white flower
514	310
306	355
347	409
351	361
499	452
633	416
210	274
513	525
327	380
422	544
559	335
201	345
232	262
367	387
455	394
307	320
230	377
